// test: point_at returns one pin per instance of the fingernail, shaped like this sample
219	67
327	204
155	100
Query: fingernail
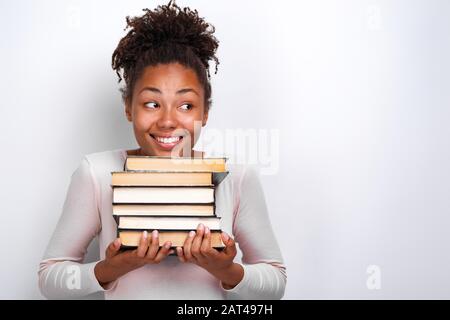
191	234
225	236
145	234
167	245
154	234
206	230
117	243
201	227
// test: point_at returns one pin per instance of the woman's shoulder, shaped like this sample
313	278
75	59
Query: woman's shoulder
239	173
108	158
101	164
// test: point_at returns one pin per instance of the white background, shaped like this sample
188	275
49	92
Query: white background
360	94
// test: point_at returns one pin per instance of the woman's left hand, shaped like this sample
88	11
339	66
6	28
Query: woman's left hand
197	249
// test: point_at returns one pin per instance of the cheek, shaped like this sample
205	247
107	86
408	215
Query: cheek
187	121
193	124
142	121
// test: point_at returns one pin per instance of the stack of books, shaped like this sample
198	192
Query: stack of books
171	195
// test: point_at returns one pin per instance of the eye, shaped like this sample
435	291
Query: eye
151	105
186	106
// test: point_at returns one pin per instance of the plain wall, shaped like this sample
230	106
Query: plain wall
358	92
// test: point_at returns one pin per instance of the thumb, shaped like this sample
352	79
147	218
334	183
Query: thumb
113	248
230	244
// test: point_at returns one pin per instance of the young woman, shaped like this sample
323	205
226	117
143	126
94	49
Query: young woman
164	62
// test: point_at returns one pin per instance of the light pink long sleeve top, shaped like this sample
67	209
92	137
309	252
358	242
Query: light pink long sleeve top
87	213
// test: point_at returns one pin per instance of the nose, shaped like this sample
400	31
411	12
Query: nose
167	120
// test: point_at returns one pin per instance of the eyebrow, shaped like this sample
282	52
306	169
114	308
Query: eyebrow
181	91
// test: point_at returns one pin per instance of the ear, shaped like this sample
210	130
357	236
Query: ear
128	110
205	118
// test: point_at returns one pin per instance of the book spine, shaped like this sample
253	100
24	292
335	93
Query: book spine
214	202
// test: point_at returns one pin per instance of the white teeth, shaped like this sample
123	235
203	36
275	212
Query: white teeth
168	140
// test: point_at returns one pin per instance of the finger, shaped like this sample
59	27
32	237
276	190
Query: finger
196	243
154	245
163	252
113	248
187	247
180	254
143	245
230	244
205	247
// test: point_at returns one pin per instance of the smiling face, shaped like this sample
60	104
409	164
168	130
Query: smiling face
167	100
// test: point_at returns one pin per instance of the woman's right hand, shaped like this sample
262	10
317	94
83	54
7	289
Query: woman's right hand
117	263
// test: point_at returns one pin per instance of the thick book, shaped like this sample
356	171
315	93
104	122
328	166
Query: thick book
159	178
166	178
163	210
168	223
130	238
175	164
163	195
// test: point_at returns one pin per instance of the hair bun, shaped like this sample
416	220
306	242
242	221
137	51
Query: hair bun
166	25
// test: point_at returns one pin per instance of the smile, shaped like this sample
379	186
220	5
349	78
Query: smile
167	142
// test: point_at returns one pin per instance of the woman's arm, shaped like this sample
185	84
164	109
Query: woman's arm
61	272
264	270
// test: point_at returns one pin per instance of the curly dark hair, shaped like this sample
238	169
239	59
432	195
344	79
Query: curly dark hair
165	35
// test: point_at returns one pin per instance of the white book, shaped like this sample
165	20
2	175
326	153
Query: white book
163	195
168	223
